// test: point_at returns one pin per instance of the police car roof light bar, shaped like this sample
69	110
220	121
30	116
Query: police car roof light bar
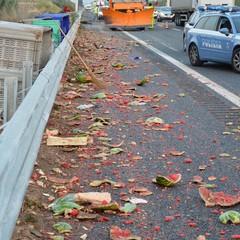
220	8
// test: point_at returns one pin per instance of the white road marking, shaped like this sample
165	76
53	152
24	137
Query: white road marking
214	86
176	29
167	45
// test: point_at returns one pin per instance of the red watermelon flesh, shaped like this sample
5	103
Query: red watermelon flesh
173	177
218	198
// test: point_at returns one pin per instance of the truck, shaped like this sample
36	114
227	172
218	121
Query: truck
128	14
184	8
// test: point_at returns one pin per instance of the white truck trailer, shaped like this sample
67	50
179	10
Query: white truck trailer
184	8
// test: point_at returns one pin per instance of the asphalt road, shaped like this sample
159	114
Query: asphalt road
169	41
202	127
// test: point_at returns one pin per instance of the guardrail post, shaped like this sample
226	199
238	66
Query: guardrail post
10	97
27	79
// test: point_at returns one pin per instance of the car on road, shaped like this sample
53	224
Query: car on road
156	10
216	38
88	7
188	25
200	11
165	13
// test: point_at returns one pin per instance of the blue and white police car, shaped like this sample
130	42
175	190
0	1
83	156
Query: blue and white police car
216	38
199	12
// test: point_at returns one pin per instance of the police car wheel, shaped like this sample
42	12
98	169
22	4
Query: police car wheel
236	60
194	55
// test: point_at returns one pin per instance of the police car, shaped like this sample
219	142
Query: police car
199	12
216	38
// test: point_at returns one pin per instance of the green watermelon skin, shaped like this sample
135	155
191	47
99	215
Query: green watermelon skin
166	181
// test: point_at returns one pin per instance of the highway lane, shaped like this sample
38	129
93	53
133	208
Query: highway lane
169	41
202	137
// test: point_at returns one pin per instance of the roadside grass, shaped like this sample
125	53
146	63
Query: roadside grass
26	10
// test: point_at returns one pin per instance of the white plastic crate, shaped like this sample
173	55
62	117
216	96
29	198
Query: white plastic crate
20	43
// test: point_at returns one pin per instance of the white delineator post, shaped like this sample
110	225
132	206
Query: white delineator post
76	5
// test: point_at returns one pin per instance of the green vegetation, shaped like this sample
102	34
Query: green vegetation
17	10
8	8
62	3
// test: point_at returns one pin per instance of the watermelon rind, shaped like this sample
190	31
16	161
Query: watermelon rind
166	181
230	216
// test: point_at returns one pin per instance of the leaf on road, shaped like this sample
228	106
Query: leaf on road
63	227
141	82
114	151
202	167
56	237
66	202
230	216
176	153
63	180
86	216
113	145
211	178
208	185
235	130
96	126
154	120
104	139
81	78
100	155
99	96
98	183
118	65
112	206
138	189
134	103
128	208
224	155
63	206
52	132
103	120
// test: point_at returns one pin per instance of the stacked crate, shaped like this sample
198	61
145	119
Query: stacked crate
19	43
62	18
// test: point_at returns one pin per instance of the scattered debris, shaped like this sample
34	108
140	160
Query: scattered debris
168	181
70	141
117	233
218	198
230	216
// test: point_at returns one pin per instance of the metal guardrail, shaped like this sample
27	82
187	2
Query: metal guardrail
22	136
